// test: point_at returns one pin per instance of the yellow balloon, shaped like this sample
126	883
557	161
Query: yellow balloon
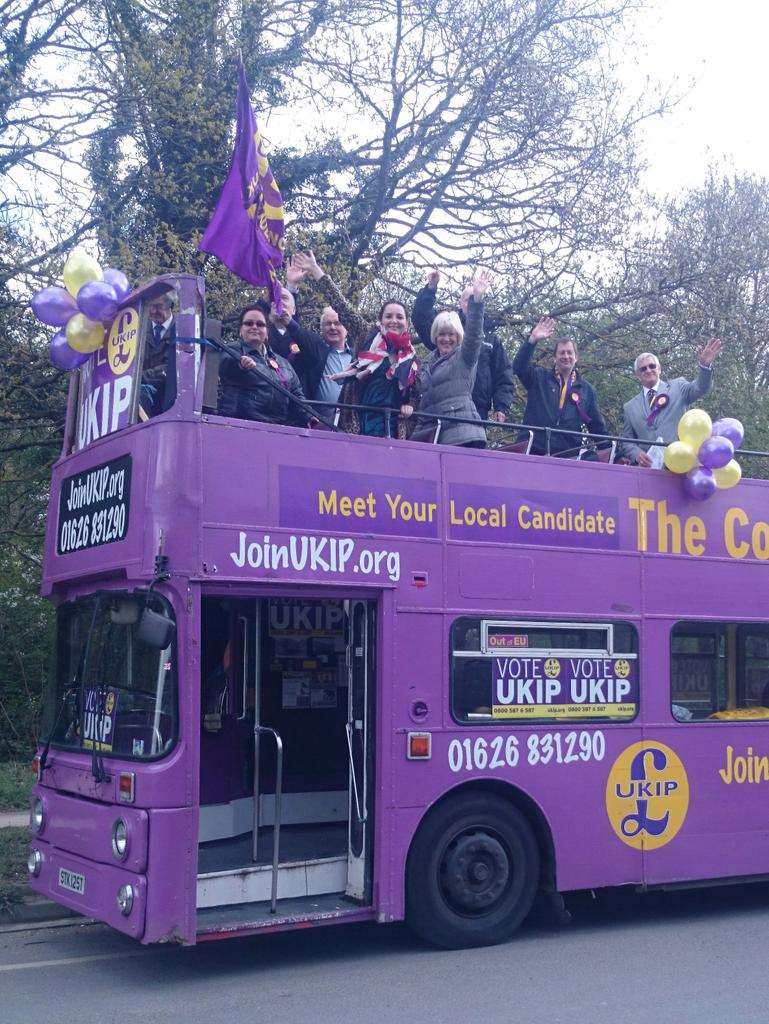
84	335
694	427
728	476
680	457
79	269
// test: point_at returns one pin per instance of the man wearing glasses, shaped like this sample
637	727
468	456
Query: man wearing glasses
158	384
653	415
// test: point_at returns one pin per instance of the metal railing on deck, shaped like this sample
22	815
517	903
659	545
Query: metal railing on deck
604	447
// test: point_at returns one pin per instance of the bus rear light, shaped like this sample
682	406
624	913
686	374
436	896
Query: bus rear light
125	788
419	746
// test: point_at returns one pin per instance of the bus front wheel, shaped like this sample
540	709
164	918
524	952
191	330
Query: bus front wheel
472	872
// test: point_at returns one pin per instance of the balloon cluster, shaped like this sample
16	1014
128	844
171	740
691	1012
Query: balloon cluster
90	297
705	453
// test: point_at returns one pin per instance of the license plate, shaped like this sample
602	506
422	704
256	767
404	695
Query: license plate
71	880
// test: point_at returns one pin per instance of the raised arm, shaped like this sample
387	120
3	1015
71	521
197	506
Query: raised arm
356	324
698	388
473	339
423	313
544	328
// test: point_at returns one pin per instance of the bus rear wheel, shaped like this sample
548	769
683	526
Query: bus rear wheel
472	872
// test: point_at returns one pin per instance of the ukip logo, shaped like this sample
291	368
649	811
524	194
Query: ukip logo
122	341
647	795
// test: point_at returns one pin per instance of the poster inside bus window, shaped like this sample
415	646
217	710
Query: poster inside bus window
297	618
564	688
308	649
503	681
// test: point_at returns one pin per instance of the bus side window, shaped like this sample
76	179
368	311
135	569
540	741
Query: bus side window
472	688
719	671
517	672
753	665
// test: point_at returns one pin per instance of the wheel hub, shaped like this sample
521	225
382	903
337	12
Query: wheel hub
476	871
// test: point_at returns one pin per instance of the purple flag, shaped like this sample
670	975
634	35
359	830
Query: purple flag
246	229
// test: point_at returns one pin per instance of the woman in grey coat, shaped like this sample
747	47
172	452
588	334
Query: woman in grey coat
446	379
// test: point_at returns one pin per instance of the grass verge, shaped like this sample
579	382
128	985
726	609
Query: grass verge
14	843
16	781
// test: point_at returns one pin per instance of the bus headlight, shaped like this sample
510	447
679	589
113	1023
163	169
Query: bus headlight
125	899
34	862
37	815
120	839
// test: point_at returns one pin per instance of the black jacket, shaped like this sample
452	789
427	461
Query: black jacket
493	388
543	388
159	368
245	395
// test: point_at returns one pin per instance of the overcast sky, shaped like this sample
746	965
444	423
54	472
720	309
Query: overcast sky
723	48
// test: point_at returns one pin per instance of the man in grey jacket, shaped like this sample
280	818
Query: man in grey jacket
654	413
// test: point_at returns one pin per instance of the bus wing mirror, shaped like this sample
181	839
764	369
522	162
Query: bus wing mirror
155	629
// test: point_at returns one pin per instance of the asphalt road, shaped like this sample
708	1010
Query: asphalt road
697	956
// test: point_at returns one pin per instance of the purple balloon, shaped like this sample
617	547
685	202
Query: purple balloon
54	306
119	282
699	483
63	356
731	429
97	300
716	452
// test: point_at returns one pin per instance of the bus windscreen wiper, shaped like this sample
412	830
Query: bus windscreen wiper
70	691
74	688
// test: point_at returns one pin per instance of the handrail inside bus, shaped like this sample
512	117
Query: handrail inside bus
278	808
362	814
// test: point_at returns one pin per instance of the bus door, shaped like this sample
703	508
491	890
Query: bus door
361	659
227	717
296	766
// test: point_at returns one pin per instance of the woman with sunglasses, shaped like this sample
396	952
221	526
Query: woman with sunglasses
250	396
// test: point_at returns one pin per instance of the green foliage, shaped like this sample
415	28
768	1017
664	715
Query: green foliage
405	133
32	406
16	781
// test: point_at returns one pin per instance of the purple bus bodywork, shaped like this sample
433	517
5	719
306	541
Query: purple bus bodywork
428	535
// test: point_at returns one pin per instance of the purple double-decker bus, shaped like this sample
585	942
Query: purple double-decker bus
306	678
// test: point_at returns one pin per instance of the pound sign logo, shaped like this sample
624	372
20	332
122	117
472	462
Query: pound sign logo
123	340
647	795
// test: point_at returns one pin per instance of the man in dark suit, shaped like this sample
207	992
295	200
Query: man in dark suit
158	384
653	414
557	397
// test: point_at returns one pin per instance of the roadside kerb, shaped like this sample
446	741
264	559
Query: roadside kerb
14	819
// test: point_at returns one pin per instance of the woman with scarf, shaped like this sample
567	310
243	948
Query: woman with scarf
385	367
447	377
382	374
